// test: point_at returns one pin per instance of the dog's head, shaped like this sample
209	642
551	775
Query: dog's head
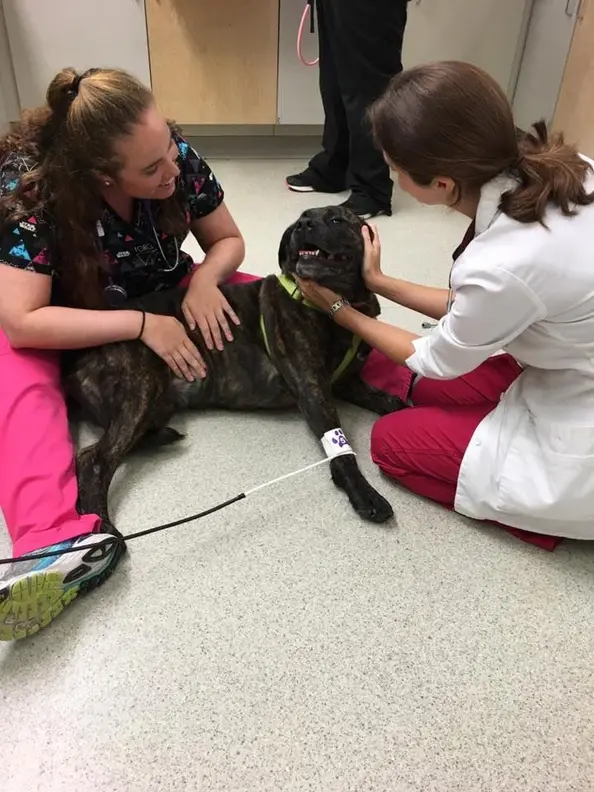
326	246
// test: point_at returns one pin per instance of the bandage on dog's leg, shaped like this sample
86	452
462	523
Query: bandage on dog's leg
335	443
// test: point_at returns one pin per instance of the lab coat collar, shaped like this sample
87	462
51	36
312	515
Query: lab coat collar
488	206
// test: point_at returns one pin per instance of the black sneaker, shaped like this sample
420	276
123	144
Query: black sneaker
310	181
365	207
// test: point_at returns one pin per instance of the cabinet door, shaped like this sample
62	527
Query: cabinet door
214	61
488	33
545	55
47	36
298	85
575	110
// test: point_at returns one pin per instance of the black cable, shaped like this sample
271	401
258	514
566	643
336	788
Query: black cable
107	543
124	539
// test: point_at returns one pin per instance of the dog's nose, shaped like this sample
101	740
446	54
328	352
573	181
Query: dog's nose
304	223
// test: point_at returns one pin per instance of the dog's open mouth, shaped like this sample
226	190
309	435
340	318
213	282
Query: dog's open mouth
311	252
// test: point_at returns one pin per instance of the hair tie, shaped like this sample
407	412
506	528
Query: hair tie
74	86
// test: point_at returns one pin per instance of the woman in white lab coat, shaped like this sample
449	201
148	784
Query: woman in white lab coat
506	437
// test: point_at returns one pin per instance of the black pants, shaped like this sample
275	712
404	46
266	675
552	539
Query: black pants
360	50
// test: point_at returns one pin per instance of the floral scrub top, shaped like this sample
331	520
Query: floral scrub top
138	257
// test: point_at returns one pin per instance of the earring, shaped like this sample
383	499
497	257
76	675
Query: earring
107	183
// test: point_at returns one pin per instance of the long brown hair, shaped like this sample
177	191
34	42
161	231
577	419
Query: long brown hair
452	119
69	141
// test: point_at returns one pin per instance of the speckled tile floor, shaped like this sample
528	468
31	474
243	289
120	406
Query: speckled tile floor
283	645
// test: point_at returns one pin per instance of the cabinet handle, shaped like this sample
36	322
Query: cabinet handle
572	7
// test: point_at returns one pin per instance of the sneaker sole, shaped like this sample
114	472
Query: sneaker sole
34	601
308	188
371	215
305	189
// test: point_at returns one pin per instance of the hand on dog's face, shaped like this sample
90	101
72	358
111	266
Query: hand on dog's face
326	246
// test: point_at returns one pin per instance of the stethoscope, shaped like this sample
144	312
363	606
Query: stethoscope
307	11
115	295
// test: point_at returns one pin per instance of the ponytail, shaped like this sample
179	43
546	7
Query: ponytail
550	171
451	119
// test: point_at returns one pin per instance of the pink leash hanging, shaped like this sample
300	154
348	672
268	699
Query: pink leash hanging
308	10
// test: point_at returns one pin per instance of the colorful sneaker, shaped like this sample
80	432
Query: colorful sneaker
310	181
34	592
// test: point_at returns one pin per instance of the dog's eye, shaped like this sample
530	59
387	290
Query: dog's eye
337	220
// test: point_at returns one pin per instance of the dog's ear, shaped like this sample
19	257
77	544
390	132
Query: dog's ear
283	248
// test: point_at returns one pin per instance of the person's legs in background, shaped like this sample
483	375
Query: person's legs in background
368	52
360	50
38	496
327	171
422	447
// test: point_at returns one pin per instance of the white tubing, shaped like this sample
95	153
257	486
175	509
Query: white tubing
286	476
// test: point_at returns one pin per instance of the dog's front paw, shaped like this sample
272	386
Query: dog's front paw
365	500
371	505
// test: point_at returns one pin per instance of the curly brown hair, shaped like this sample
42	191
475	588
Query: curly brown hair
70	141
452	119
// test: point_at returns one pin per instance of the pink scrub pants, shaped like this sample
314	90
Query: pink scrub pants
38	488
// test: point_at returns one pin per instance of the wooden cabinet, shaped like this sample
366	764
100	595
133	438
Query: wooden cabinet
575	109
214	61
234	62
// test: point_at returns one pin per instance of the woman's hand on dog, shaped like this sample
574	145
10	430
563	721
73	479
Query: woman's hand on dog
206	307
372	270
320	296
167	337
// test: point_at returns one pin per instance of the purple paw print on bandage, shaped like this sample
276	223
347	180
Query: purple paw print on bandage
339	439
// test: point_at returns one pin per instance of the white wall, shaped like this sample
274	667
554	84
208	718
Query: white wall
9	103
48	35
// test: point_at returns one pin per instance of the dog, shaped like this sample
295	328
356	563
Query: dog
285	354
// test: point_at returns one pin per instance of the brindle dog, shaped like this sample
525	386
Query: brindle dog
131	393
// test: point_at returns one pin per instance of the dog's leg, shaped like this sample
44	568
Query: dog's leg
305	377
322	417
317	405
159	433
97	464
355	391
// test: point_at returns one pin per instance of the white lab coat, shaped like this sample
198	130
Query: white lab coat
529	290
